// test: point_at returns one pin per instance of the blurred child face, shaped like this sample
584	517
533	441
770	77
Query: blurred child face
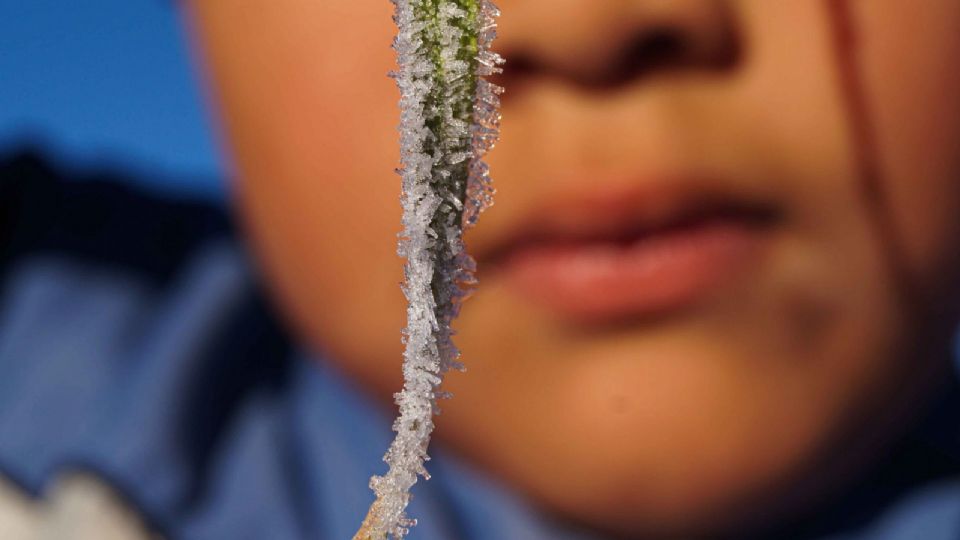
719	257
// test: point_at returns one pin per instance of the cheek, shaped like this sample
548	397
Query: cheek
311	115
912	90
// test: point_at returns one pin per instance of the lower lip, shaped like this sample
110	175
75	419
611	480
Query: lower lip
659	273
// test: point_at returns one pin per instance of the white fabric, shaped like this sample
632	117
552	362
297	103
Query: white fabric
77	507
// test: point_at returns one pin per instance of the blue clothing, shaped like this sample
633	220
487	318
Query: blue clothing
136	344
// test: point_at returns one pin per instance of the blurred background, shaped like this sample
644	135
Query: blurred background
107	84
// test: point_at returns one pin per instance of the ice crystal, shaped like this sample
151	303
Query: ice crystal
449	118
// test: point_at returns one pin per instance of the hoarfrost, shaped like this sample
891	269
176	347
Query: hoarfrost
449	119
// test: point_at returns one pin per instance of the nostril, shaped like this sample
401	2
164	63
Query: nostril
654	50
669	50
689	37
650	51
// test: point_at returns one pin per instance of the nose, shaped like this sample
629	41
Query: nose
607	43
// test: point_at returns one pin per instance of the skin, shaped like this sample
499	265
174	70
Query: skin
671	426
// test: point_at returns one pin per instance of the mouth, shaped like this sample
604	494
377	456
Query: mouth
606	256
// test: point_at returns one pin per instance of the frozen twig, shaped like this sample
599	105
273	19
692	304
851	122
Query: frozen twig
449	119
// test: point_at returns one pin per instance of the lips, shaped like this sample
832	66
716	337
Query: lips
608	254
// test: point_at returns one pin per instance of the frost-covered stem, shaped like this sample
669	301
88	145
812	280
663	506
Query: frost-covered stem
449	119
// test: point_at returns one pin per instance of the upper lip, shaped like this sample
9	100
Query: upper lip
626	212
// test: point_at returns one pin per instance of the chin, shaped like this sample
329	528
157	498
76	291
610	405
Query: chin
708	488
707	447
